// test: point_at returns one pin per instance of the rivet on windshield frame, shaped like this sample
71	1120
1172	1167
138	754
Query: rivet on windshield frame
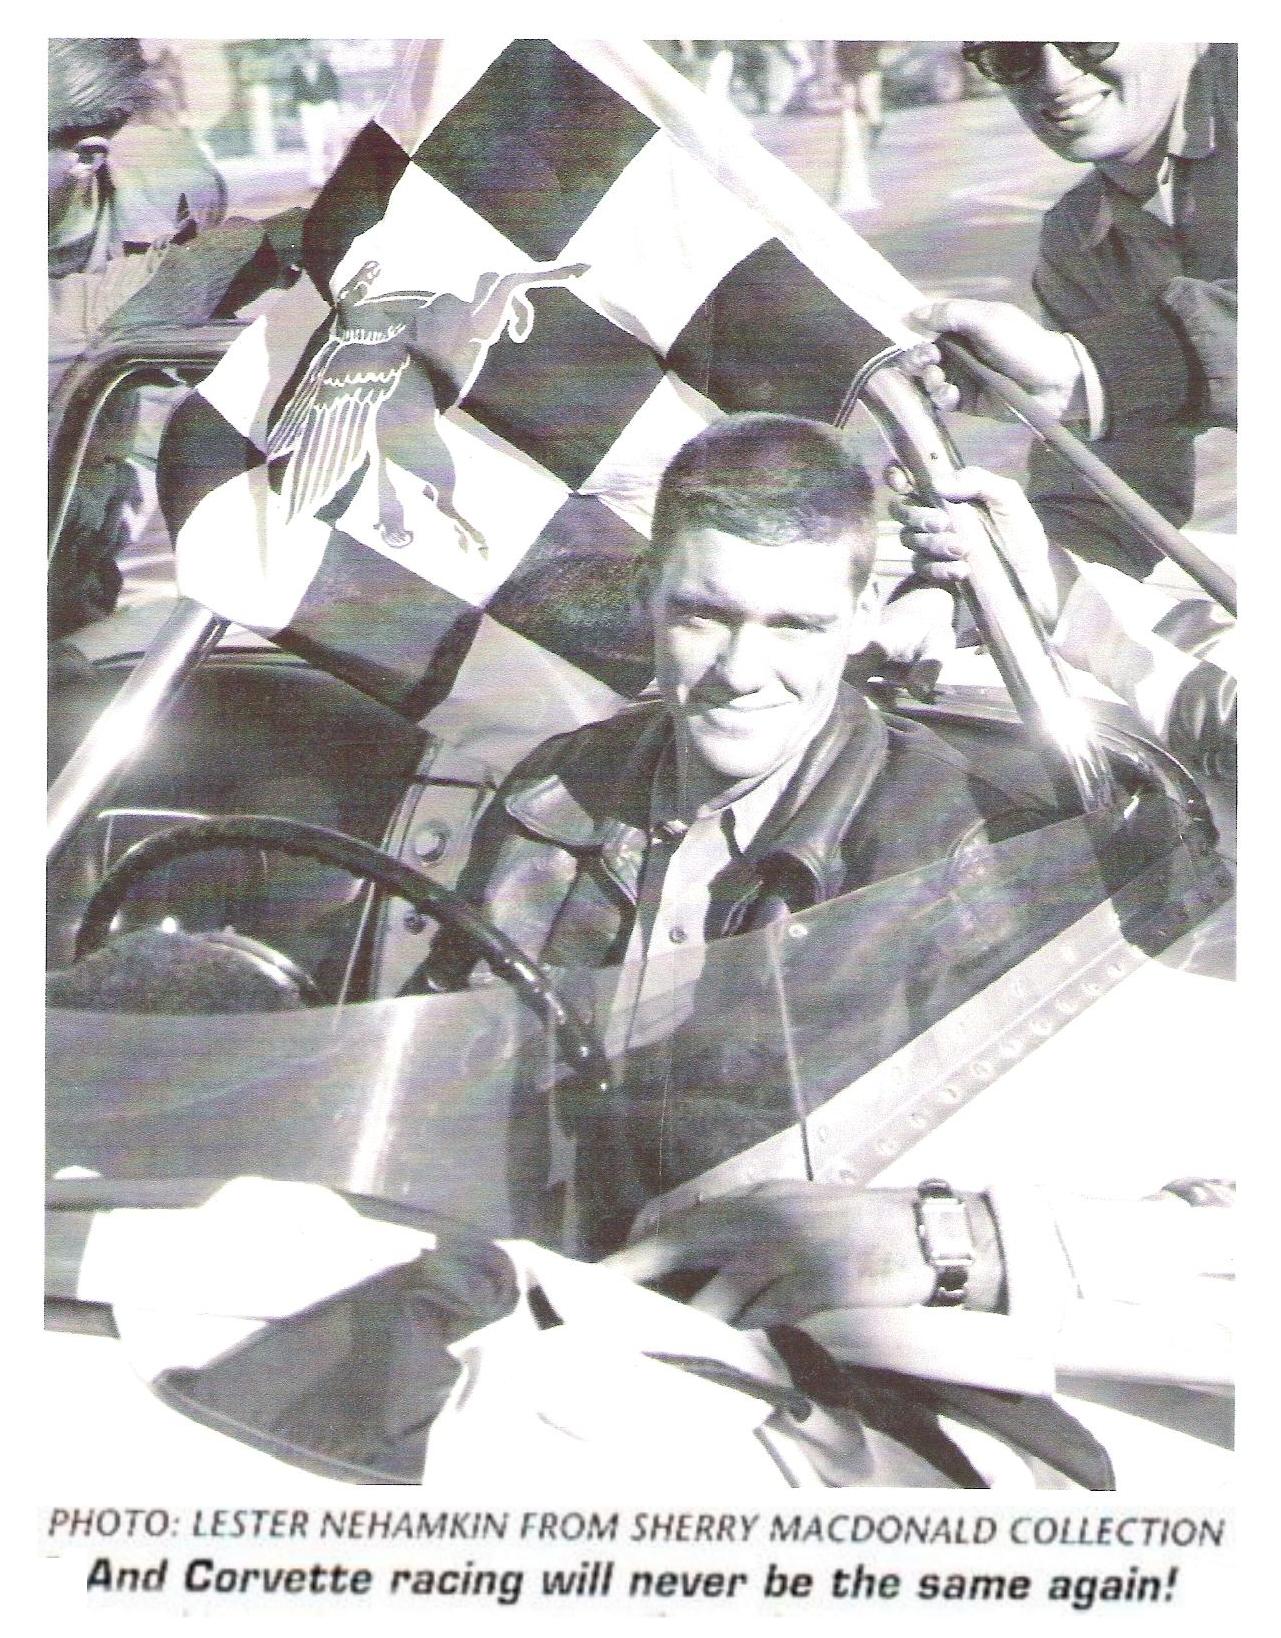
431	841
795	930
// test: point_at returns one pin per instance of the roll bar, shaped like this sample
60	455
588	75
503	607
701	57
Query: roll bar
1037	681
185	356
177	648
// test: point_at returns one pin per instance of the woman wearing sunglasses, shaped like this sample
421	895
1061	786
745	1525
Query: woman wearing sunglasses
1136	274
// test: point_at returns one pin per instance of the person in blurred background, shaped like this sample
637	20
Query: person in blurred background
858	62
313	85
751	73
1136	273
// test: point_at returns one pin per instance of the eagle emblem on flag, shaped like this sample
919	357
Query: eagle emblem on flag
390	364
540	269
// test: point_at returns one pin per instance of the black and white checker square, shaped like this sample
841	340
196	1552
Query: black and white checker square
535	145
772	336
660	239
568	391
388	631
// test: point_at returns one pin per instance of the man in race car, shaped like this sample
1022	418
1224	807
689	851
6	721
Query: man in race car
758	783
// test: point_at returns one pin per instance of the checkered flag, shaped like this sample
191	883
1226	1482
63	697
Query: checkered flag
536	274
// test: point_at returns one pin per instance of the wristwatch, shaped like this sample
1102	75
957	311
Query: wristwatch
943	1228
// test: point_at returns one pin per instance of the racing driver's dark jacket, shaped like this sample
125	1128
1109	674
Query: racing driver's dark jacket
556	863
556	859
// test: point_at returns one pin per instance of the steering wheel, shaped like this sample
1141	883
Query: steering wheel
331	847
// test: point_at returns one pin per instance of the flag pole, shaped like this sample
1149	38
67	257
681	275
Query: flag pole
188	633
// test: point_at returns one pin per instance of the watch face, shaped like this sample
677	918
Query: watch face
945	1231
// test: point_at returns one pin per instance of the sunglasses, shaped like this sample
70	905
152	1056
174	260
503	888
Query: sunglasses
1010	61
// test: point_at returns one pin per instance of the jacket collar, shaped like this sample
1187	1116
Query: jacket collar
598	799
808	828
1192	129
576	809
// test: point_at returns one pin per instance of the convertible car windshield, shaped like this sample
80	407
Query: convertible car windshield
858	1026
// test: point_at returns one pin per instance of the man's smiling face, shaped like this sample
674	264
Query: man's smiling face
1117	111
750	642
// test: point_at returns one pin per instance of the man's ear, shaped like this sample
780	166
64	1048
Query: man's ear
641	585
867	614
91	155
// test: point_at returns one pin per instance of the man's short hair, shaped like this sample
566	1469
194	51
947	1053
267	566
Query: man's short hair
771	479
95	87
